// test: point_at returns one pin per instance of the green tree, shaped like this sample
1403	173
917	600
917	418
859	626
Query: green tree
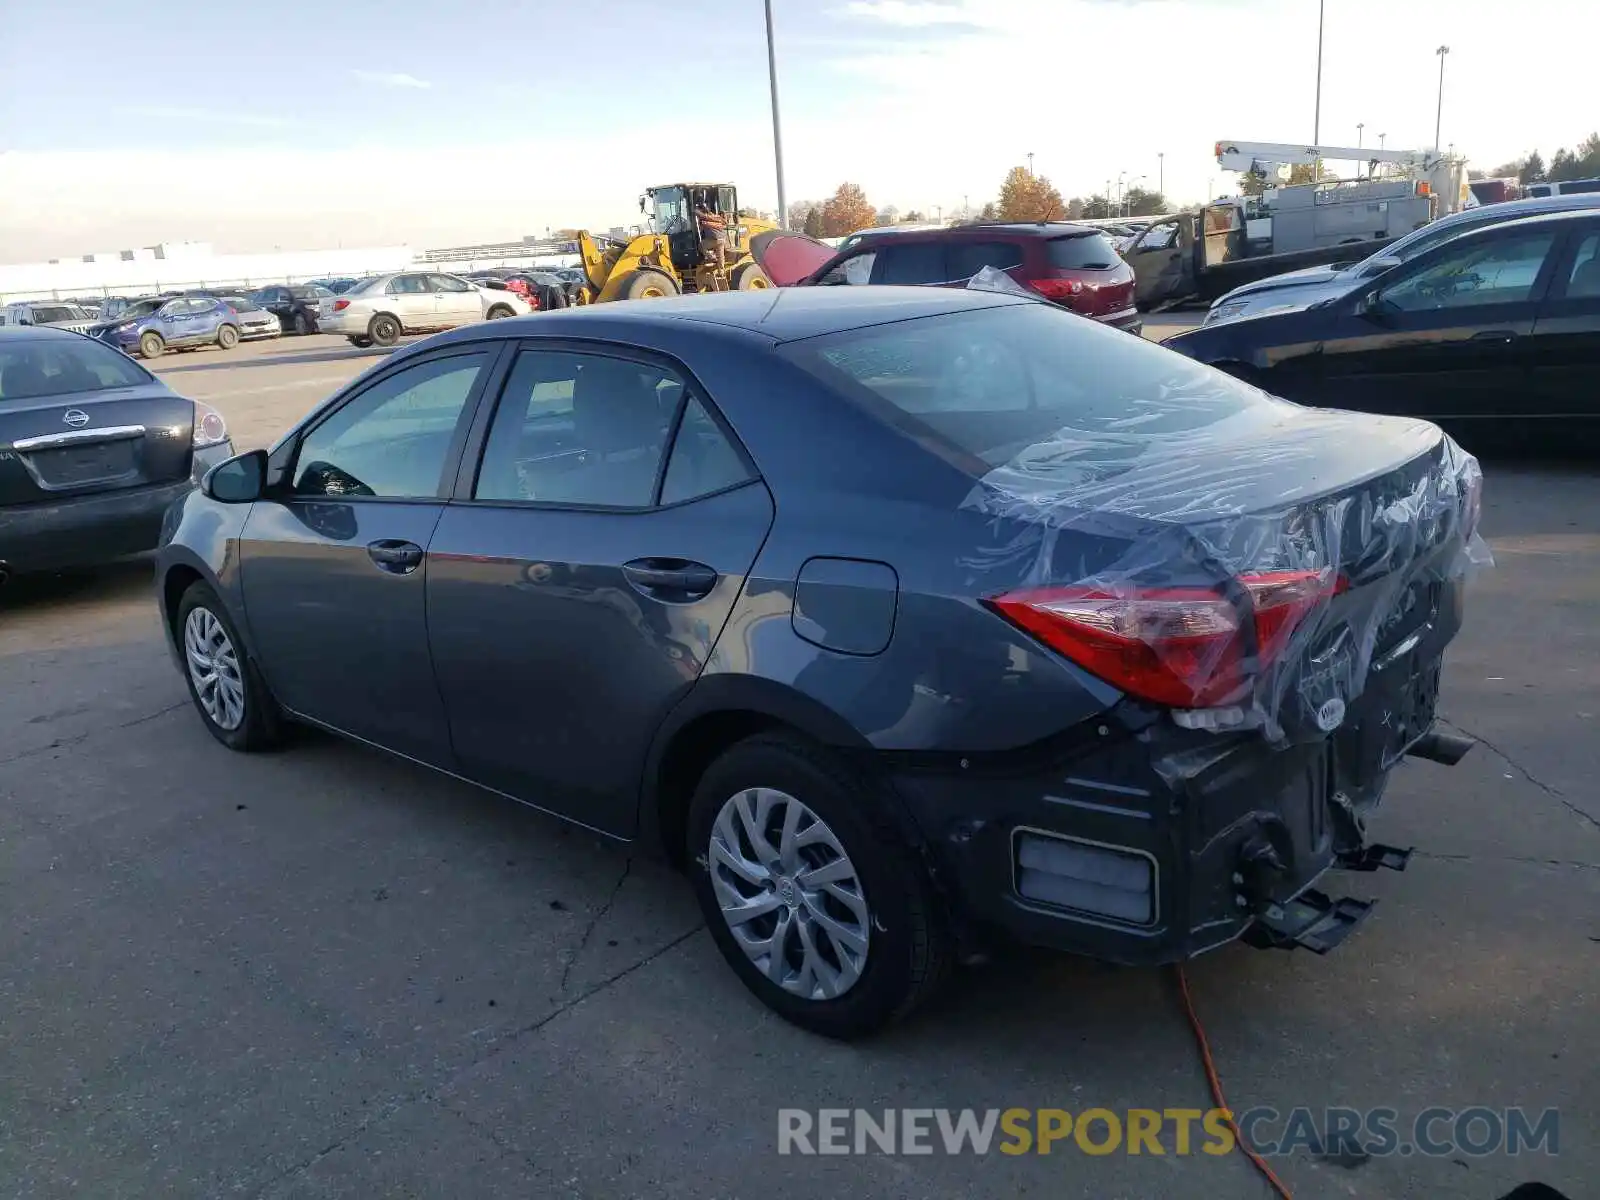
800	210
1096	208
1075	208
915	215
1142	203
989	213
813	222
1532	169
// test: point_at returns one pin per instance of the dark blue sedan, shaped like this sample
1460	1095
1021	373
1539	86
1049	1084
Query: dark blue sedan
152	326
901	617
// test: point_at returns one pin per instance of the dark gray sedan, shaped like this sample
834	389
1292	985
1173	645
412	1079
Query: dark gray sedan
93	449
901	617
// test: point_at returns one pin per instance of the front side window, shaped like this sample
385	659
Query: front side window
393	439
32	369
579	429
1500	270
448	283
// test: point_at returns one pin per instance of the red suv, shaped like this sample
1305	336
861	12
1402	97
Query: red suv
1075	266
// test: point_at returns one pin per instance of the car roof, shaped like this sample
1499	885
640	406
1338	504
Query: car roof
1042	229
1558	218
1509	209
779	314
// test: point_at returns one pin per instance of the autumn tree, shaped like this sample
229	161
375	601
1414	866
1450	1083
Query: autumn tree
1025	197
813	222
846	211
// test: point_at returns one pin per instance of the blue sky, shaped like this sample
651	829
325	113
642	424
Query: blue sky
297	124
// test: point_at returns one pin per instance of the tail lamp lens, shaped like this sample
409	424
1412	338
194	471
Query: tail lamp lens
1180	647
340	305
1059	290
209	427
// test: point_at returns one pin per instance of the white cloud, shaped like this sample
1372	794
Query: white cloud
395	79
910	13
207	117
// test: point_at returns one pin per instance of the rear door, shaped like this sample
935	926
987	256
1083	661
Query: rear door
578	584
911	262
1447	336
335	567
78	418
1565	347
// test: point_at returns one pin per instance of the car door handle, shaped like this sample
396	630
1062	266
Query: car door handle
1495	335
670	578
396	557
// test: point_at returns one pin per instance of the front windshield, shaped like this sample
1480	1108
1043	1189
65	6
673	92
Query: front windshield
672	211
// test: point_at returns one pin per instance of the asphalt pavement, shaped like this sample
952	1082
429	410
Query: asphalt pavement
322	972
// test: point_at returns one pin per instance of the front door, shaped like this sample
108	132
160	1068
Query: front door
577	587
335	569
1445	337
1156	257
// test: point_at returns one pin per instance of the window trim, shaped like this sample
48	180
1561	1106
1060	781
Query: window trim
285	458
489	405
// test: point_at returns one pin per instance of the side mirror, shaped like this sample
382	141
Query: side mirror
239	480
1369	307
1379	265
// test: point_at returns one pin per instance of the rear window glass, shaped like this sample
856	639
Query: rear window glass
364	285
991	382
968	258
240	304
55	368
1086	252
911	262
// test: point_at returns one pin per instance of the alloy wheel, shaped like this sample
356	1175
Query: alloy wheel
214	668
789	893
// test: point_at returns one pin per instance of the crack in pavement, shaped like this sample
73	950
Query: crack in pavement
594	921
1553	792
79	738
1576	864
430	1093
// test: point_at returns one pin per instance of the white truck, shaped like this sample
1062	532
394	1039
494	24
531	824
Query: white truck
56	314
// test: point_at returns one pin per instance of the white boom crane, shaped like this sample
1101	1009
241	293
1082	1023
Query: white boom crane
1266	157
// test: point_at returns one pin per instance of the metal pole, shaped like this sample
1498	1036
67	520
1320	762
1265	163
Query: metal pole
1316	122
1161	172
1360	133
1438	121
777	132
1030	164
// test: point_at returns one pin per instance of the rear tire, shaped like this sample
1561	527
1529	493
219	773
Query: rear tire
889	910
749	277
151	344
384	330
227	690
648	284
227	337
499	312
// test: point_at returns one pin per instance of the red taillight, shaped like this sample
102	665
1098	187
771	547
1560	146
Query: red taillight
1059	290
209	427
340	305
1182	647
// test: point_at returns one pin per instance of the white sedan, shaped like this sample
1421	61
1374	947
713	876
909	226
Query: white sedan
376	311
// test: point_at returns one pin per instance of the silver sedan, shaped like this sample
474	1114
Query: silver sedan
376	311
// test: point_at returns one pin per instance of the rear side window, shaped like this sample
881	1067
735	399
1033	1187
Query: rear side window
1584	284
911	262
991	382
1085	252
1579	187
702	460
968	258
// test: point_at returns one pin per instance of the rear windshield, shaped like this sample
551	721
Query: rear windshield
991	382
143	308
364	285
1084	252
30	369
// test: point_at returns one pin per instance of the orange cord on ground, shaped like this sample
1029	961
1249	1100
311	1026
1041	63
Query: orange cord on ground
1249	1152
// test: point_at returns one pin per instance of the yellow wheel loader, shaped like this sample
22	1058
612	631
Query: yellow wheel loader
674	257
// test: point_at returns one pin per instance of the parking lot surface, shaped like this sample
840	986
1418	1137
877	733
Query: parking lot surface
322	972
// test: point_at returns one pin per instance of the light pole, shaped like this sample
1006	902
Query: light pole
1438	120
1316	120
1120	174
1108	198
777	132
1161	172
1360	133
1382	138
1030	164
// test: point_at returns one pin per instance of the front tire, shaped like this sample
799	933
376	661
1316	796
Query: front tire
227	337
648	284
749	277
151	344
810	890
384	330
226	688
499	312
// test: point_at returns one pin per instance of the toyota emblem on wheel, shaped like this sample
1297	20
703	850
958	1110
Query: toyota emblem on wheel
75	417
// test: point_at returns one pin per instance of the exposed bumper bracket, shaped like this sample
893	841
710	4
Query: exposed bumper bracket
1314	921
1372	857
1440	747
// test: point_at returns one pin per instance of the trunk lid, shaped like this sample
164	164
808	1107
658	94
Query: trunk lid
56	447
